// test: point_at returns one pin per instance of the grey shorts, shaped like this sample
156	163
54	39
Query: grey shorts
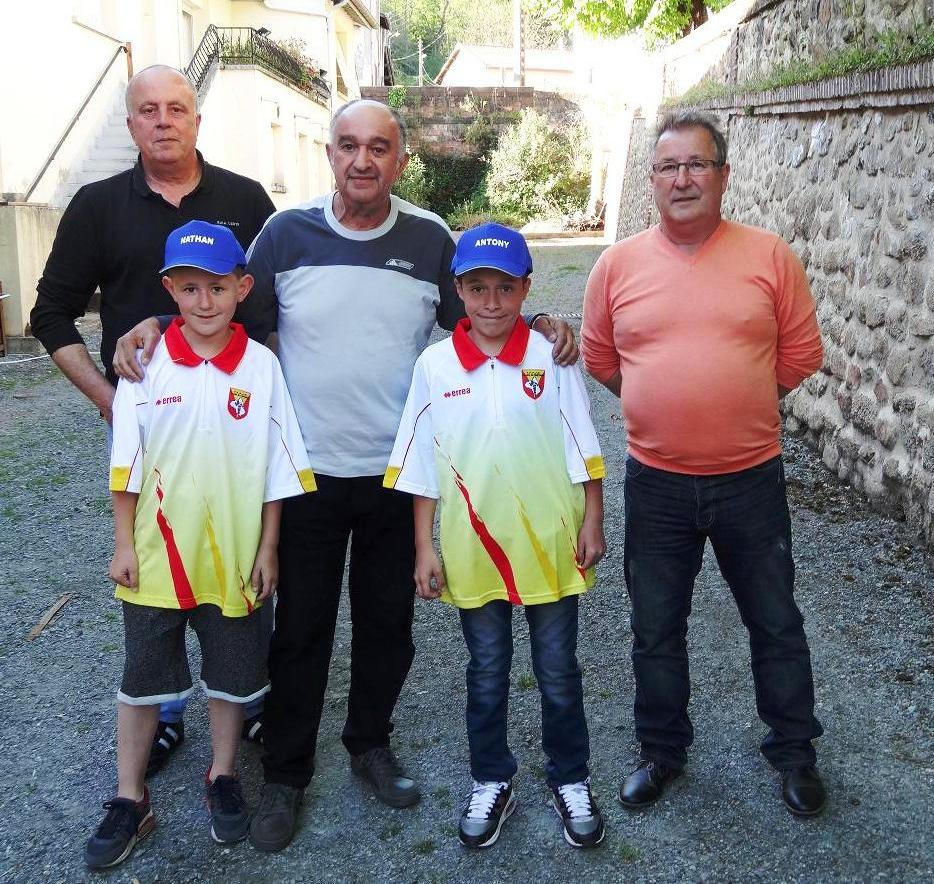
155	670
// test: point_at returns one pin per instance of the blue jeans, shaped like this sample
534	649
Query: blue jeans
669	517
553	636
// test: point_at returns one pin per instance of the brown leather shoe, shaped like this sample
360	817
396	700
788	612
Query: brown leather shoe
645	785
803	791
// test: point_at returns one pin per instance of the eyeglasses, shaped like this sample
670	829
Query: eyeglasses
695	168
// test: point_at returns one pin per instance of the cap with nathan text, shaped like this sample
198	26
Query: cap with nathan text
492	246
210	247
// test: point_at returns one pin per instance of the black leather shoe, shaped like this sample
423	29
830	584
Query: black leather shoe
276	819
382	770
645	785
803	791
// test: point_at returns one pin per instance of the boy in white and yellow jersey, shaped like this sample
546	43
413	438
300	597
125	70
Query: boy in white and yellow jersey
204	449
503	436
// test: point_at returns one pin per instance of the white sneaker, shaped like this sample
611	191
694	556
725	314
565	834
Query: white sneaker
582	820
488	806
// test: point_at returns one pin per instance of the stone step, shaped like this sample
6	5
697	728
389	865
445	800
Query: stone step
114	132
109	166
122	142
113	153
88	177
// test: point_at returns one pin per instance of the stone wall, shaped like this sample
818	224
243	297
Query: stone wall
636	209
439	116
853	192
775	32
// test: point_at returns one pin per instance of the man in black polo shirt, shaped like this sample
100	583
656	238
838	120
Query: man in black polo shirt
112	237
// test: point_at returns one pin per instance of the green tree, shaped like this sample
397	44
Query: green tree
442	23
539	170
661	21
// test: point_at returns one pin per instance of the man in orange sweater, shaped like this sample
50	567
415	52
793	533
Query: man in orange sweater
700	325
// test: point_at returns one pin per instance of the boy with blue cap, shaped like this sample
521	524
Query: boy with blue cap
503	436
204	449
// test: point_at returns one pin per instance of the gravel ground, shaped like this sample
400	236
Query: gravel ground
864	584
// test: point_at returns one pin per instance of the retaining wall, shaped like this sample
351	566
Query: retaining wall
438	117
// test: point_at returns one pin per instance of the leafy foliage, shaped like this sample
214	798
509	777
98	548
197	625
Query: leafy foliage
539	170
661	21
413	183
440	183
476	211
396	97
442	23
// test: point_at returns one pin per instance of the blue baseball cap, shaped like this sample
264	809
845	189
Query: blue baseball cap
210	247
493	246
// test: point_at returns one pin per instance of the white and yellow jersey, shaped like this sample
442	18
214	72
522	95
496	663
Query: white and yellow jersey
204	443
504	443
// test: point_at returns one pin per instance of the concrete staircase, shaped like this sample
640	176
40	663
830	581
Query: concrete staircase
112	151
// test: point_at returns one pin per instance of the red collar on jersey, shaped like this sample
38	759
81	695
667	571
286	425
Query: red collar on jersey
471	356
227	360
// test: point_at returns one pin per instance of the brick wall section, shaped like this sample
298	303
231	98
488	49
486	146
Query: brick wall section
438	116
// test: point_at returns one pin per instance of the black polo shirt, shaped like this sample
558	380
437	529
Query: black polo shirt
112	236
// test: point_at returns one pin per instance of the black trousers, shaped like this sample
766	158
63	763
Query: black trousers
312	549
669	518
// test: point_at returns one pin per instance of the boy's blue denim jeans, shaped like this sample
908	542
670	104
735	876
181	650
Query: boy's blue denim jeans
669	517
553	637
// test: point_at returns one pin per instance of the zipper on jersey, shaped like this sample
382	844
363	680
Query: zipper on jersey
205	369
495	395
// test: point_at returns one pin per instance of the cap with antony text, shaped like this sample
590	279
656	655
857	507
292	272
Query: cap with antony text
492	246
210	247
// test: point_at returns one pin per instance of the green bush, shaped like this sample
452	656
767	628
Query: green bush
452	180
413	183
441	184
539	170
477	210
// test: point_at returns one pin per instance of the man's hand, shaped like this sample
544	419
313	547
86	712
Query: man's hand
145	335
429	575
557	331
76	364
591	546
265	575
124	567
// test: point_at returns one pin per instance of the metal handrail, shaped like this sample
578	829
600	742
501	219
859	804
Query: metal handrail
124	47
242	46
204	57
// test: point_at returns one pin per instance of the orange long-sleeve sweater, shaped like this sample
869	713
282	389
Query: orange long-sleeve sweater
701	342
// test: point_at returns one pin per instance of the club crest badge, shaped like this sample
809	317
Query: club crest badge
238	403
533	382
